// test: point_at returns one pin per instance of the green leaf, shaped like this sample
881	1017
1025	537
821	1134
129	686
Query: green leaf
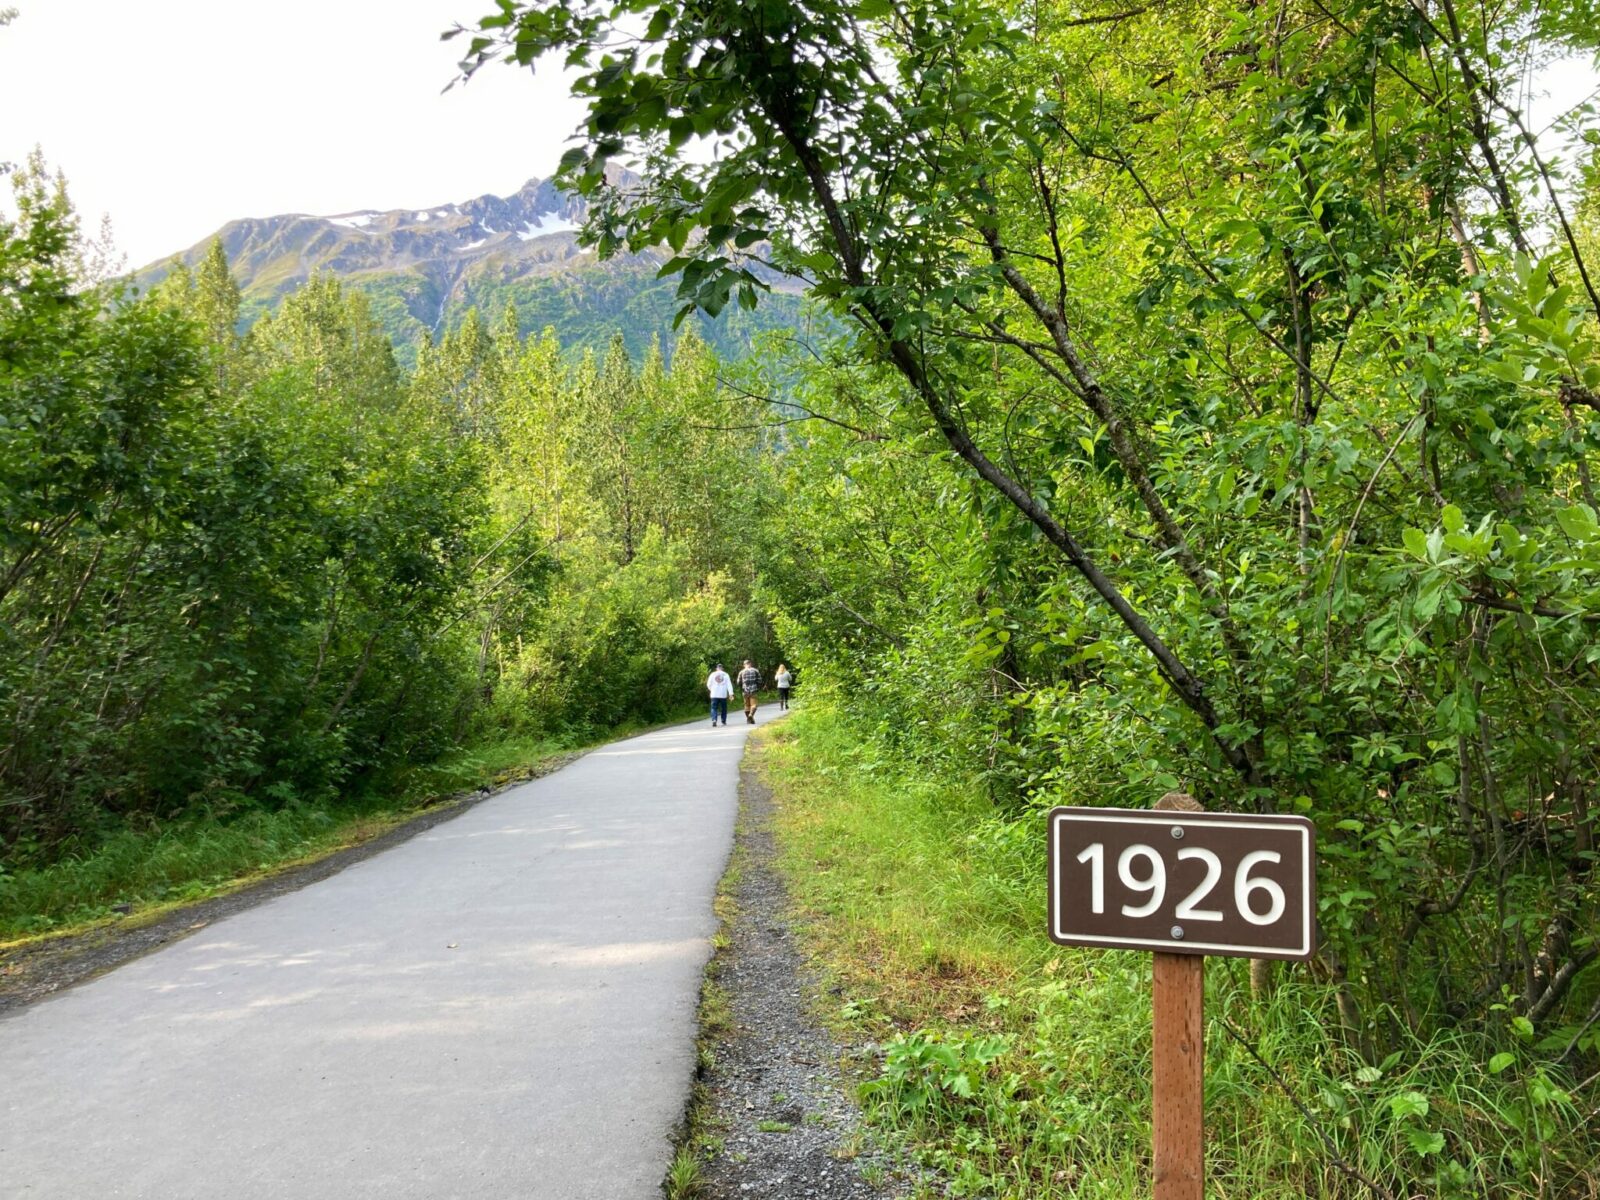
1416	543
1425	1141
1501	1061
1506	370
659	24
1406	1105
1577	522
1427	601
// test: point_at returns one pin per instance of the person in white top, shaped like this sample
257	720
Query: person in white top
784	681
720	685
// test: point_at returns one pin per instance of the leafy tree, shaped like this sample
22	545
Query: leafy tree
330	331
216	307
223	571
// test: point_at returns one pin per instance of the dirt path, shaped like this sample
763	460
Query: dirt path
772	1108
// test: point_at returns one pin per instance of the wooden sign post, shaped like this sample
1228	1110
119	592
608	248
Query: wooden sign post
1184	884
1178	1061
1177	1076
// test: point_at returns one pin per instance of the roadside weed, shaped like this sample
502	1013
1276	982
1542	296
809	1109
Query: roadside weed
683	1177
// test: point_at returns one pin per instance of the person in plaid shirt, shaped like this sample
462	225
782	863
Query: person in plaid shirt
749	684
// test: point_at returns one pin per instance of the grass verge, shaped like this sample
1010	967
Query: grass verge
141	873
1019	1068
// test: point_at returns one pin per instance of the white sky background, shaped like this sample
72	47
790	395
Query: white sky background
1552	92
176	116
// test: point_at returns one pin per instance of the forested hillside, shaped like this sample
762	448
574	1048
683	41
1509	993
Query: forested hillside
253	572
423	271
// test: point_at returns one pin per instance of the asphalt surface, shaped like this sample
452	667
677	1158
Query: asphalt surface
503	1006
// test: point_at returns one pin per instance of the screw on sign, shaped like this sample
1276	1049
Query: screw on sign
1184	884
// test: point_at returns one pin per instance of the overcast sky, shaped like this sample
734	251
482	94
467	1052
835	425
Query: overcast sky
175	116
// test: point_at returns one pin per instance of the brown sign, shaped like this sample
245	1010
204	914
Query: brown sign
1183	882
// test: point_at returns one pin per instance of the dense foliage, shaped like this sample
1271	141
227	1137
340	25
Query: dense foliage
1218	416
242	572
586	306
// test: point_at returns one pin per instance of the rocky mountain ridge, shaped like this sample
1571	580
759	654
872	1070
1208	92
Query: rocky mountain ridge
424	268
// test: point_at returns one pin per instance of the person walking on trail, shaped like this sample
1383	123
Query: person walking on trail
721	687
749	684
783	681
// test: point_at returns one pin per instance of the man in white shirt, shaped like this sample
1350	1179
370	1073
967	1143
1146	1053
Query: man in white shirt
720	685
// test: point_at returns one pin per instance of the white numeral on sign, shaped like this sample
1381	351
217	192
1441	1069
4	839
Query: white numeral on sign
1243	886
1155	883
1095	856
1187	910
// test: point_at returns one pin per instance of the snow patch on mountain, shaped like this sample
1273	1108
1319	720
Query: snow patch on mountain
546	223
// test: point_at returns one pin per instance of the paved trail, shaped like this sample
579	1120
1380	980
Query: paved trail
503	1006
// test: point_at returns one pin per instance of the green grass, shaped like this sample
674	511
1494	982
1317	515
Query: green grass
1021	1069
683	1180
149	870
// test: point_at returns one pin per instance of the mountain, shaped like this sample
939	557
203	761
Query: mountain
423	268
